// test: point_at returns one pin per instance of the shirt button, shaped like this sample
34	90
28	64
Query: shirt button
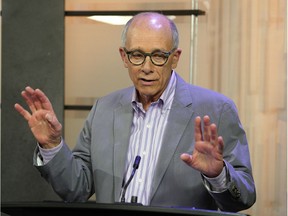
148	125
140	180
144	152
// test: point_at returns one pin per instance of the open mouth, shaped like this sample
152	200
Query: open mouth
146	80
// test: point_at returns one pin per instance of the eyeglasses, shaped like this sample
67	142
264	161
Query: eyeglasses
158	58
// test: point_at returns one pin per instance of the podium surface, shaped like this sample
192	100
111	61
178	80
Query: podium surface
92	208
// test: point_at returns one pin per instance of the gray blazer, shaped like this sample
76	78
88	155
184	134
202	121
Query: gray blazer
97	163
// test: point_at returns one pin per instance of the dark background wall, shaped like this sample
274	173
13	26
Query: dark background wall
32	54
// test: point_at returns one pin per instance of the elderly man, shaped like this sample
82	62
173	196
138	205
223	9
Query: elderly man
193	149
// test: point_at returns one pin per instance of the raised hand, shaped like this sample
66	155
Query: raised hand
42	119
207	156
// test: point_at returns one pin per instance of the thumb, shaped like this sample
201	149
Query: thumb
53	121
49	118
187	158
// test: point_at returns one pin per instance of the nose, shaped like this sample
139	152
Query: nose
147	65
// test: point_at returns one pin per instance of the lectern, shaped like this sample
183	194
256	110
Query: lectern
92	208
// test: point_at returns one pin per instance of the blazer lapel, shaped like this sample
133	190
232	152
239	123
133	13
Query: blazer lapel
122	125
180	115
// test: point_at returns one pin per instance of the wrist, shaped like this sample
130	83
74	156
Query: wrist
51	144
216	173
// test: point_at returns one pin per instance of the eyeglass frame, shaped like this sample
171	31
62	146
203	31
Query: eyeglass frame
166	54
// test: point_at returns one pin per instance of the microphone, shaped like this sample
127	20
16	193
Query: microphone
135	167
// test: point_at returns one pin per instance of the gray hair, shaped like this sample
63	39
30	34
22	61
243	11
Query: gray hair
175	35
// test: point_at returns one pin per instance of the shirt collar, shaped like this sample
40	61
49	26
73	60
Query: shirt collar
165	100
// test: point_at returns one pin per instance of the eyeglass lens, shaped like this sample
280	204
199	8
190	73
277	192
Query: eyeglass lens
158	58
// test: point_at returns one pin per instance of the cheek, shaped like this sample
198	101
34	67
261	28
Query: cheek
166	72
132	74
166	78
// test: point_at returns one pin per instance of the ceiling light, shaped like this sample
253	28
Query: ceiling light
113	20
116	20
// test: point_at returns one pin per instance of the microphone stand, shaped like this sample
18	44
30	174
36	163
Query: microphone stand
135	167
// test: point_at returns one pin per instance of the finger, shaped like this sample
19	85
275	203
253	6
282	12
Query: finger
33	95
29	101
197	129
45	102
206	134
29	89
22	111
214	134
220	144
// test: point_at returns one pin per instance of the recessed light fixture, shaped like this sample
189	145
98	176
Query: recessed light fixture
116	20
112	20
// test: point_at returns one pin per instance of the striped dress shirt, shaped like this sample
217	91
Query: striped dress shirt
146	140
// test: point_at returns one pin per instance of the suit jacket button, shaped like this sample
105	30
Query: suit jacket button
234	191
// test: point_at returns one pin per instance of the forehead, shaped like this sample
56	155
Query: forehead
149	32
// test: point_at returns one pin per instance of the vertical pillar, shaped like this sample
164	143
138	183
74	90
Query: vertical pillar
32	54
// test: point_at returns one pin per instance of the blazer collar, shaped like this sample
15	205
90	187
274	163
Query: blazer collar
122	126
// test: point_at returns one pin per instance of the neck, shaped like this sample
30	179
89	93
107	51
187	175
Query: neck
146	101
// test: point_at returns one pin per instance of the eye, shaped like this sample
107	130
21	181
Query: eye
136	55
159	55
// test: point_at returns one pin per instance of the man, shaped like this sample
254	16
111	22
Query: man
170	124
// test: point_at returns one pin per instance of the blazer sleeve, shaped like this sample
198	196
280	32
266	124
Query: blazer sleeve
240	193
70	173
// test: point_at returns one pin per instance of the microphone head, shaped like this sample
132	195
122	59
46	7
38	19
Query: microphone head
136	162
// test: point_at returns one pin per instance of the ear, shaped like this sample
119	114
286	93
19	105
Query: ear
176	57
123	57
